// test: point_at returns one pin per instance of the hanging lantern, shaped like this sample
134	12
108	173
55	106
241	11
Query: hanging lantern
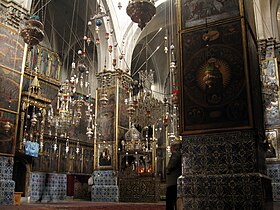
114	62
89	132
130	109
7	126
104	100
141	12
32	33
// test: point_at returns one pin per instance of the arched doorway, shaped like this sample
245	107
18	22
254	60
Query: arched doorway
21	173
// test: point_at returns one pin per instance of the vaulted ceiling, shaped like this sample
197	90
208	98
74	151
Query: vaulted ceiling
66	24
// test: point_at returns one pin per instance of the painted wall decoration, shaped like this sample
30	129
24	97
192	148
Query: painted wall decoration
123	116
214	91
11	54
7	137
11	48
9	89
195	12
106	118
46	61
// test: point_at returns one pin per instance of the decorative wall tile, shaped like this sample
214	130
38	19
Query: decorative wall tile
103	193
276	191
6	167
7	188
139	189
273	171
105	188
55	189
237	191
7	185
225	153
222	171
104	178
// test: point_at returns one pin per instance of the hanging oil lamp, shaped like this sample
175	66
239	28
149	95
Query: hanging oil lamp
141	12
33	33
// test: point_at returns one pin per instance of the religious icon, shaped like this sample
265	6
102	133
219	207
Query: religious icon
271	138
105	158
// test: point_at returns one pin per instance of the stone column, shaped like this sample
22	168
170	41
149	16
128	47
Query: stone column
221	107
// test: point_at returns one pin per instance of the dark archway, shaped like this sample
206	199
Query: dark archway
20	171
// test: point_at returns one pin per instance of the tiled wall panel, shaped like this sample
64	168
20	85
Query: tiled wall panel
7	185
55	189
273	171
105	188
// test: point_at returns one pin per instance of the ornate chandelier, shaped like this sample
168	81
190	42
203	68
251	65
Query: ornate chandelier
143	108
141	11
70	104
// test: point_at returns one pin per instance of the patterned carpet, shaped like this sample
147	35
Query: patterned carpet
86	205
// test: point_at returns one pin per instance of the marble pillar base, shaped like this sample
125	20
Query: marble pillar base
236	191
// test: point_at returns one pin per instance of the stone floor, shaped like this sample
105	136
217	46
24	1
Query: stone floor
86	205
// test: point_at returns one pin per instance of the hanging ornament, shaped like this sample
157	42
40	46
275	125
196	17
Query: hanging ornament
175	95
7	126
67	145
114	62
97	29
97	41
119	5
34	119
110	48
107	35
141	12
98	22
88	41
55	144
78	148
104	99
89	132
